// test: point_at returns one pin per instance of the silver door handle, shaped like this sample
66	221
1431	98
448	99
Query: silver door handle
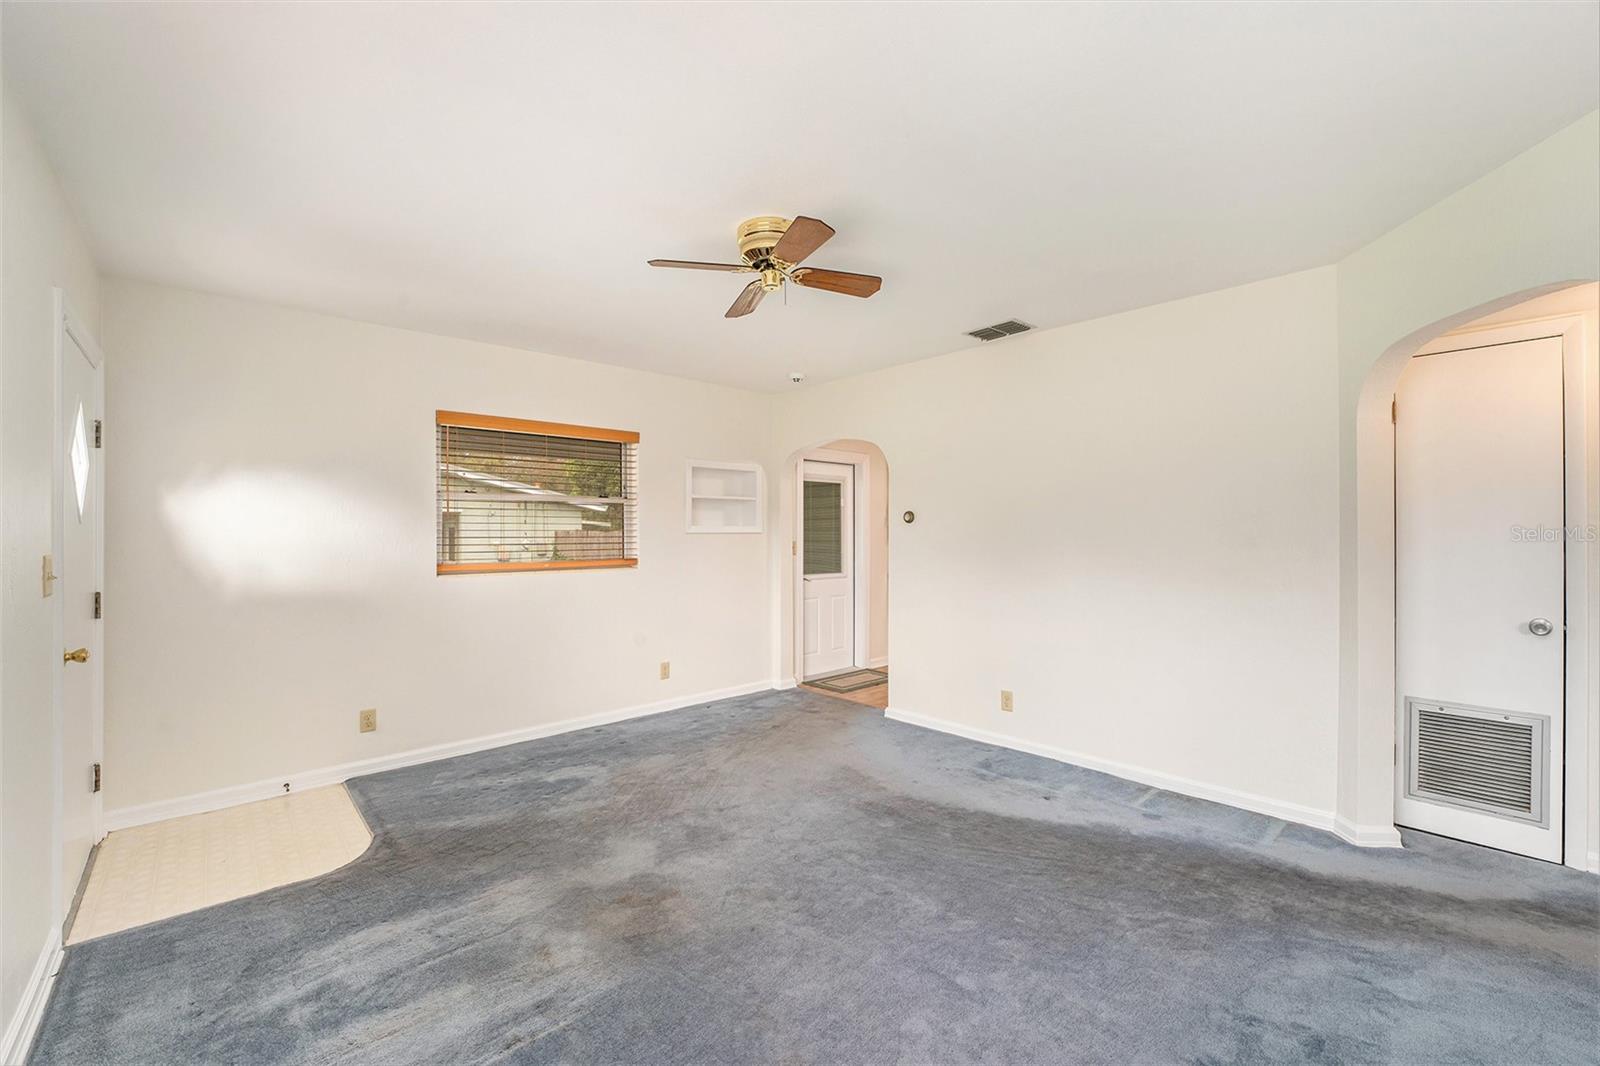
1541	627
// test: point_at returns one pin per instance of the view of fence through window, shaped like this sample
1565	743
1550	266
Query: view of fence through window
527	500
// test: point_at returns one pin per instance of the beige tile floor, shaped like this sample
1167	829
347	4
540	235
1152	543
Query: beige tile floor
159	870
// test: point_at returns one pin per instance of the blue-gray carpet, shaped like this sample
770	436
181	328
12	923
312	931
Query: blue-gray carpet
790	877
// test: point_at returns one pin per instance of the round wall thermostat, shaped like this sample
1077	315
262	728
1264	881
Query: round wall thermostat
909	517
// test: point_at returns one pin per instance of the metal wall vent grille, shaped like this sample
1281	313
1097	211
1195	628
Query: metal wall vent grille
1008	328
1483	760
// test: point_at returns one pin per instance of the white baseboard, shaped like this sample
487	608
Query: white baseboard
1289	812
24	1023
298	781
785	682
1594	862
879	663
1367	836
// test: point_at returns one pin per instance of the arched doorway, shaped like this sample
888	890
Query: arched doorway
1372	730
835	607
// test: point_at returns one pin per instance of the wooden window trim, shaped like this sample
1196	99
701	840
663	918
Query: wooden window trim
524	425
560	564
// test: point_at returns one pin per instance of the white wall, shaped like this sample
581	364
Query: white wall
1132	523
271	548
42	249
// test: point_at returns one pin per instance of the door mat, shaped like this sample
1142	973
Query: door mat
850	680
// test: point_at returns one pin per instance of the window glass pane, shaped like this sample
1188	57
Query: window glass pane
80	461
522	498
450	538
824	534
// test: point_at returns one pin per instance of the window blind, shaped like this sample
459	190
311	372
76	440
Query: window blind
824	527
524	495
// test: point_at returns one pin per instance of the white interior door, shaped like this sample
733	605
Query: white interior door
77	568
827	550
1480	572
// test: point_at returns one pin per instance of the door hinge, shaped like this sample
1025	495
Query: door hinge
97	605
97	433
794	548
96	782
1394	412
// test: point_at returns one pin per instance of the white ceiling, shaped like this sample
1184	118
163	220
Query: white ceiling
502	172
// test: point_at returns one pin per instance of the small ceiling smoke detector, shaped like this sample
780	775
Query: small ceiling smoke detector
797	377
1008	328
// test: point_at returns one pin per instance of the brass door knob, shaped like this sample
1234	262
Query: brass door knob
79	656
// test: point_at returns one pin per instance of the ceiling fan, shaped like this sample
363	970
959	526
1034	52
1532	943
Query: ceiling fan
774	248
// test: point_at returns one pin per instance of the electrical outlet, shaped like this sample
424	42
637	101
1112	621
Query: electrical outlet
666	669
1005	700
369	720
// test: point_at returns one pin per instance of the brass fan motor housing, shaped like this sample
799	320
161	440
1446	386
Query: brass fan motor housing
758	235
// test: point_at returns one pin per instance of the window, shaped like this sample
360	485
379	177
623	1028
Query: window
824	527
519	495
79	457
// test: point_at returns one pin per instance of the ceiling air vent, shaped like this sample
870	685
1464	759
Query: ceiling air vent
1000	329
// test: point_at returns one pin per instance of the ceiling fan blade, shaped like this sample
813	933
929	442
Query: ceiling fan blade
689	264
747	300
862	285
804	236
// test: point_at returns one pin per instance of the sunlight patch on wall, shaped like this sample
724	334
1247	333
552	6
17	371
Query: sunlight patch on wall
278	533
